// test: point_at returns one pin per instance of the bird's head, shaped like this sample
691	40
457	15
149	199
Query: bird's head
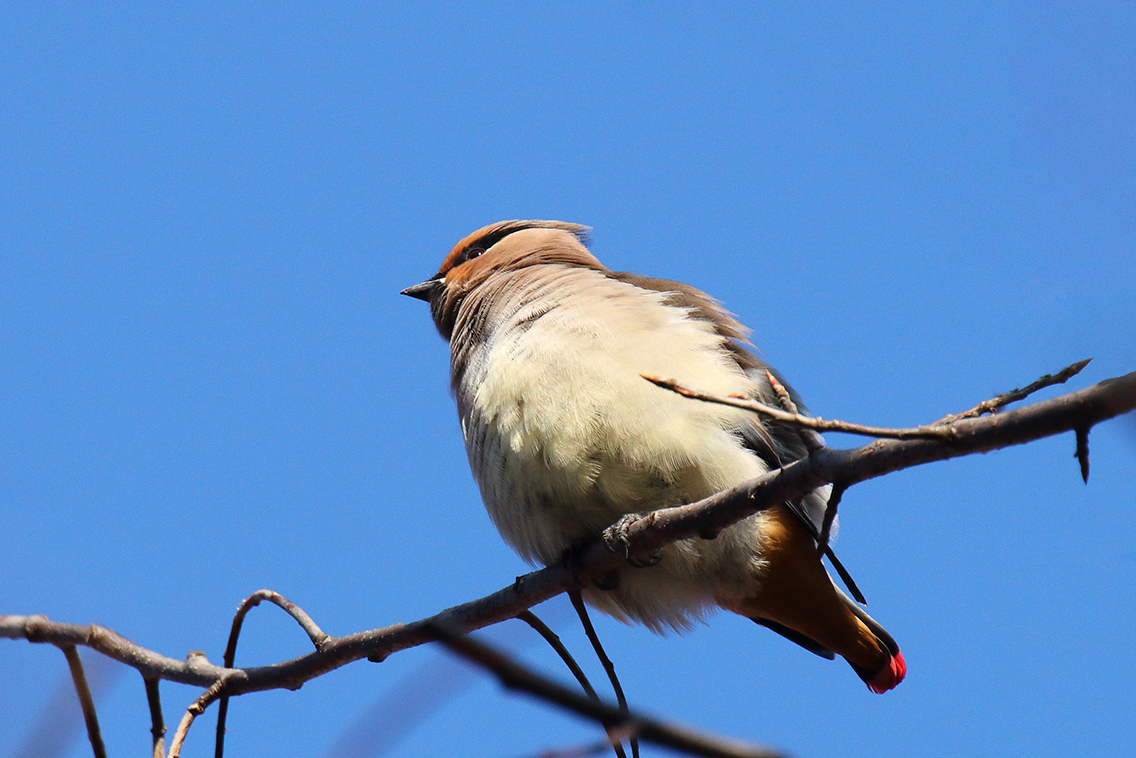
501	247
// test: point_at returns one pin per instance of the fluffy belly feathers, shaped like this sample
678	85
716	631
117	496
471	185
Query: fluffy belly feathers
566	440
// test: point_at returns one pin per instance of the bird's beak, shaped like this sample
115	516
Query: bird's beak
425	290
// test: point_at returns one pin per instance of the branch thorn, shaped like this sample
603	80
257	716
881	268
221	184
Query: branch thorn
1082	454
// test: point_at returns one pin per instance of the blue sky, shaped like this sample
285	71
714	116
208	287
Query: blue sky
210	384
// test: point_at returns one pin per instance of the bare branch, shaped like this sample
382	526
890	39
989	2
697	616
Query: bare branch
811	439
601	654
192	712
1084	408
315	634
814	423
993	404
1077	410
515	676
85	700
940	430
553	640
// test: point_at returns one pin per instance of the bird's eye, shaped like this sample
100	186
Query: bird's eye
470	255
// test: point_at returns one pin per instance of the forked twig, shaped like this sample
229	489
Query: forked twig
315	634
941	429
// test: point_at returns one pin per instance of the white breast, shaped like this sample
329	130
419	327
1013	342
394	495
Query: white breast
563	433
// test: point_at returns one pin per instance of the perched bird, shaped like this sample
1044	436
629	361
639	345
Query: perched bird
564	436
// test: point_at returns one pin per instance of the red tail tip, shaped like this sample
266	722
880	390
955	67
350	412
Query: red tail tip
889	676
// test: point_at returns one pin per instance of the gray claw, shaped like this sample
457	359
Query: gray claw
616	540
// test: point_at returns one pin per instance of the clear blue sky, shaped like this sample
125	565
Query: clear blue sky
209	383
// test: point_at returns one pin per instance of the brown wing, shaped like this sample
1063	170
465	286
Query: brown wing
775	442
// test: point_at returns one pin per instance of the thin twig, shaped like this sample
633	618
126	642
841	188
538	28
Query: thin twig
940	430
812	440
196	708
553	640
315	634
601	654
815	423
86	701
1014	395
157	722
515	676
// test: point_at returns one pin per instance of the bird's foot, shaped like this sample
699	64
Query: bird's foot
617	539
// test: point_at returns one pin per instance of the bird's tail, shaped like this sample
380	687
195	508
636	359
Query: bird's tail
798	600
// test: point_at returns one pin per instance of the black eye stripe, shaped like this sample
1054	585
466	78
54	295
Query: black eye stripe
500	231
489	240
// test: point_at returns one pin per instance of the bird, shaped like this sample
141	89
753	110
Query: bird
564	436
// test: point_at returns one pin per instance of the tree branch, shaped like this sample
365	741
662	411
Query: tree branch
515	676
192	712
157	722
86	701
940	430
1013	396
1077	411
315	634
601	654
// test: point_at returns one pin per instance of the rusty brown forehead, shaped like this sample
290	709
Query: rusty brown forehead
452	259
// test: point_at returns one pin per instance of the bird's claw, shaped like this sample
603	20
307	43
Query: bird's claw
617	540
